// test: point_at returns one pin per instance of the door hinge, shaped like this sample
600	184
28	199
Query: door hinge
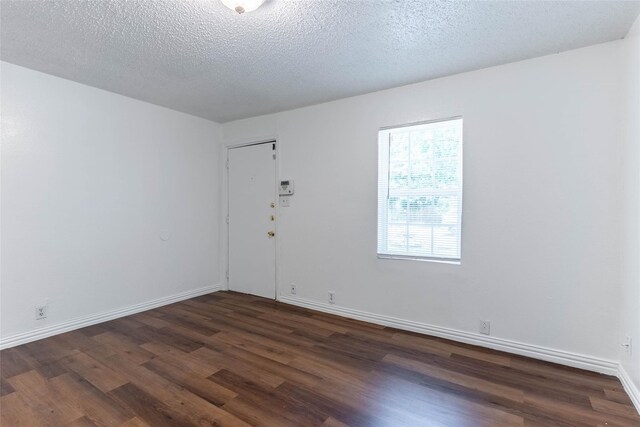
227	275
227	219
227	163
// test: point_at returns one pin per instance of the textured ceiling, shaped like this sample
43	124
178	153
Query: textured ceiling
201	58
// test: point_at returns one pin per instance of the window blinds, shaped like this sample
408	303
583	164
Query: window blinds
420	191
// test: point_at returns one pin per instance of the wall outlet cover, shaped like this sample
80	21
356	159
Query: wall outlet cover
41	312
332	297
627	344
293	289
485	327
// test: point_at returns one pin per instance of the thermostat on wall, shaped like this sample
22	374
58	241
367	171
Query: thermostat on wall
286	188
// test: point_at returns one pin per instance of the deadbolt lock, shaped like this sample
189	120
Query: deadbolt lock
271	233
273	205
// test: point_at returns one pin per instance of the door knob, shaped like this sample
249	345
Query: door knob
271	233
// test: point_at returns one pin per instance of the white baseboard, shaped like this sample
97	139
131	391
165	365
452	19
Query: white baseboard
630	387
537	352
37	334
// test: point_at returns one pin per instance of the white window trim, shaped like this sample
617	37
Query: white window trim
383	186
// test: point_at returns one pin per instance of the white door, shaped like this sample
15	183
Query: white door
252	199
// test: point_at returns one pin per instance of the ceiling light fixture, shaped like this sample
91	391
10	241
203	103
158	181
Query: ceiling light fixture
242	6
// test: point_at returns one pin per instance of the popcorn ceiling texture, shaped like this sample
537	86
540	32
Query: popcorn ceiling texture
203	59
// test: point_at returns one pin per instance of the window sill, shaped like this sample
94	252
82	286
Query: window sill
416	258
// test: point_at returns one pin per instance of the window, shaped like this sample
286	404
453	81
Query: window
420	191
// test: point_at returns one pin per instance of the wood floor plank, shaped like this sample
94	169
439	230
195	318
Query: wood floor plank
48	350
98	407
326	405
617	396
262	321
153	321
81	422
332	422
238	366
180	359
179	400
95	372
257	415
17	412
5	387
166	336
124	345
526	382
13	363
608	407
228	359
553	372
135	422
176	316
265	350
303	414
457	378
258	362
575	414
151	410
36	391
288	319
204	388
432	403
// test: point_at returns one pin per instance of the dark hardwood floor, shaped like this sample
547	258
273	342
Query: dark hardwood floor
232	359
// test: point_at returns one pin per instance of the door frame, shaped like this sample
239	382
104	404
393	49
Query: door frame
248	143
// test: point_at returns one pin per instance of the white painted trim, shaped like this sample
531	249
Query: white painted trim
537	352
250	142
630	387
81	322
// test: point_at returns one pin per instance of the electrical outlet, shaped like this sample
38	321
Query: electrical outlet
332	297
293	289
42	311
627	345
485	327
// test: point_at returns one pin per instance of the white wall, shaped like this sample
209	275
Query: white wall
541	229
90	181
631	247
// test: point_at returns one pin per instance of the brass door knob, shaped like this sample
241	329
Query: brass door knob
271	233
